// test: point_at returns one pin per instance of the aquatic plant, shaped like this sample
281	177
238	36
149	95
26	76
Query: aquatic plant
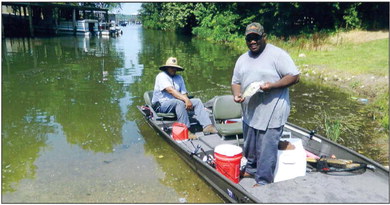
380	109
332	128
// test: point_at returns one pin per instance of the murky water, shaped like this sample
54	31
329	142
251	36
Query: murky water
71	132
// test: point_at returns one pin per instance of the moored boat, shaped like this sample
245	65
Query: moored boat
330	173
86	27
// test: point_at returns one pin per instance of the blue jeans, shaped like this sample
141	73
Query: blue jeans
178	107
261	151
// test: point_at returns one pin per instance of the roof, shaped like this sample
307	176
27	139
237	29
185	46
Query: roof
51	5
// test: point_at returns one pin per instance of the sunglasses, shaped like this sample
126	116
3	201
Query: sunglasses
250	38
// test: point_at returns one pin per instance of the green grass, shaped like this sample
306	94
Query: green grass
355	58
368	58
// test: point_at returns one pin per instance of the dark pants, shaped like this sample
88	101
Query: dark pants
261	151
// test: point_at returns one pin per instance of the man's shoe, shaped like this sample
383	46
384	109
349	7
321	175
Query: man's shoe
210	129
257	185
192	136
246	175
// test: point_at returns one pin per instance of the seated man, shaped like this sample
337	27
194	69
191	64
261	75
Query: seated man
170	95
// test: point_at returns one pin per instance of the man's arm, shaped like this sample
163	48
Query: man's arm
236	91
286	81
179	96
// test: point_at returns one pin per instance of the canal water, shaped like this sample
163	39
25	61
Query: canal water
71	132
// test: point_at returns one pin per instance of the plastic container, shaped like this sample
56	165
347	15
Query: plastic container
229	121
228	160
291	163
179	131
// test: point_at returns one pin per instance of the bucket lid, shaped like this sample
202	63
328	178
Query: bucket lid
228	149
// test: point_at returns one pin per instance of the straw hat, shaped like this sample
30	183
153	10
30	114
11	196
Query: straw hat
171	62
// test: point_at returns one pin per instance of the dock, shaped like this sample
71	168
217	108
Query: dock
31	19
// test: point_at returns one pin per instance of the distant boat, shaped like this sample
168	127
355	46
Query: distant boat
123	23
85	27
115	30
110	29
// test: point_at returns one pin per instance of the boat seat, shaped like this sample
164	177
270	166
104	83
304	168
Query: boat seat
148	95
224	108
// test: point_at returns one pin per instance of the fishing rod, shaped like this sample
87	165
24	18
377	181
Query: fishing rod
209	159
326	165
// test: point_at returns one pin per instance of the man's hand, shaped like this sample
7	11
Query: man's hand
286	81
266	86
236	91
178	95
238	99
188	104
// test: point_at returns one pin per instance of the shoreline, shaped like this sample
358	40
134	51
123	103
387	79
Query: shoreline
362	85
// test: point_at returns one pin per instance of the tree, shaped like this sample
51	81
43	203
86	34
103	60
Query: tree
223	21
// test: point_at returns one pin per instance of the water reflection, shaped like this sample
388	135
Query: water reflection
19	148
48	90
207	66
69	130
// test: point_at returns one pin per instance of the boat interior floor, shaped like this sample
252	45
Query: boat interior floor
314	187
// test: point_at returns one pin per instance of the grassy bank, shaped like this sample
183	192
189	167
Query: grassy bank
356	61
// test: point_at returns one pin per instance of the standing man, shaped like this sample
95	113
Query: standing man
170	95
265	112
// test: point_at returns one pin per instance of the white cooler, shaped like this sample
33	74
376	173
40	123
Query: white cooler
291	163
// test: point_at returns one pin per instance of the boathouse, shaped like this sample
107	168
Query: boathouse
32	19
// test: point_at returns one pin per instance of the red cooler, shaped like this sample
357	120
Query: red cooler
228	160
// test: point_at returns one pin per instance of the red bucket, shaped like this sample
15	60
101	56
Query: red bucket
228	160
179	131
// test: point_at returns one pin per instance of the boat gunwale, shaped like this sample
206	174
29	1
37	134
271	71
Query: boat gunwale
350	151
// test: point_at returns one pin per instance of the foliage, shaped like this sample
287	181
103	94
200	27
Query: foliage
223	21
150	15
167	16
101	5
351	17
216	25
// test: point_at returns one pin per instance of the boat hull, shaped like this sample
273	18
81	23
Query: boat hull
315	187
225	188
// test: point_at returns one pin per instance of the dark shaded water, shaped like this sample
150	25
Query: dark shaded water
71	132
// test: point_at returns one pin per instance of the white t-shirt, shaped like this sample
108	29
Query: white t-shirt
265	109
163	80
